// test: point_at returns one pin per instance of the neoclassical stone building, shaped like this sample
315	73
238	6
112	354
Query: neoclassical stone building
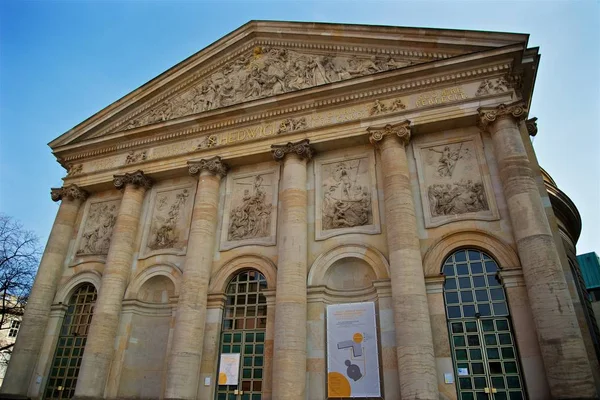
230	205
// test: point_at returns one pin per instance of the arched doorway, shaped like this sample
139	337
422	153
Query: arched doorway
71	343
243	332
486	364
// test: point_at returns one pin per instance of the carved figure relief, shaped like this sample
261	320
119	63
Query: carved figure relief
251	208
381	108
493	86
133	157
346	195
292	124
74	170
268	71
453	185
171	211
97	231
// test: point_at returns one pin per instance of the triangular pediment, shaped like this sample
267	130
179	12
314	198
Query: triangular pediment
263	59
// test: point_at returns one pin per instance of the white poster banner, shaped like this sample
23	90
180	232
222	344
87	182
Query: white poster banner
352	355
229	369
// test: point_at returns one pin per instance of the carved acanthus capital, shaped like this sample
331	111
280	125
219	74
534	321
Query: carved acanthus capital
401	131
213	165
137	179
301	149
489	115
72	192
531	125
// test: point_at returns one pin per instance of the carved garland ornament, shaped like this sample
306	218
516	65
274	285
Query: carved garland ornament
401	130
488	115
301	149
213	165
72	192
137	179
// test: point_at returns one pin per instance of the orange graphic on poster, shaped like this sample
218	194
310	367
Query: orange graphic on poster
338	385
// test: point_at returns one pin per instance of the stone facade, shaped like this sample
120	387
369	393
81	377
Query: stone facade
290	166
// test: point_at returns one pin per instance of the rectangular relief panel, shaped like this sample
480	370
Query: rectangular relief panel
454	181
250	214
346	194
95	234
167	228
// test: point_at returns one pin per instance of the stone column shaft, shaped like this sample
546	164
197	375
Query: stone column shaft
99	348
414	342
565	358
183	369
33	326
289	348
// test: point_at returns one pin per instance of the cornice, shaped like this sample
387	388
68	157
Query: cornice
406	87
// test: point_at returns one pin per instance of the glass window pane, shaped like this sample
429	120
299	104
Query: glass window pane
473	340
466	396
490	339
481	295
466	296
490	266
484	310
497	294
460	256
498	382
457	327
464	283
504	338
493	353
488	325
477	368
476	268
502	325
249	337
465	383
247	373
260	337
461	355
462	269
469	311
450	284
516	395
474	255
510	367
451	298
459	341
513	382
479	281
475	354
508	352
479	382
454	312
495	367
500	309
471	326
448	270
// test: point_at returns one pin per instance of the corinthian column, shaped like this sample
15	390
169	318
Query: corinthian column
100	343
31	334
289	348
183	370
567	366
414	343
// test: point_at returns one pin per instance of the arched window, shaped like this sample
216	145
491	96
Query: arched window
243	333
484	353
71	343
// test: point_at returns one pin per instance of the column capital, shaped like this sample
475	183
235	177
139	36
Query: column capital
401	130
302	149
137	178
72	192
489	115
214	165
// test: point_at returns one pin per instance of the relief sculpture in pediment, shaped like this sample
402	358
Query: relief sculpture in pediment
97	231
267	72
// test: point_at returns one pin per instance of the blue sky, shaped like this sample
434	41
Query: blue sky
62	61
